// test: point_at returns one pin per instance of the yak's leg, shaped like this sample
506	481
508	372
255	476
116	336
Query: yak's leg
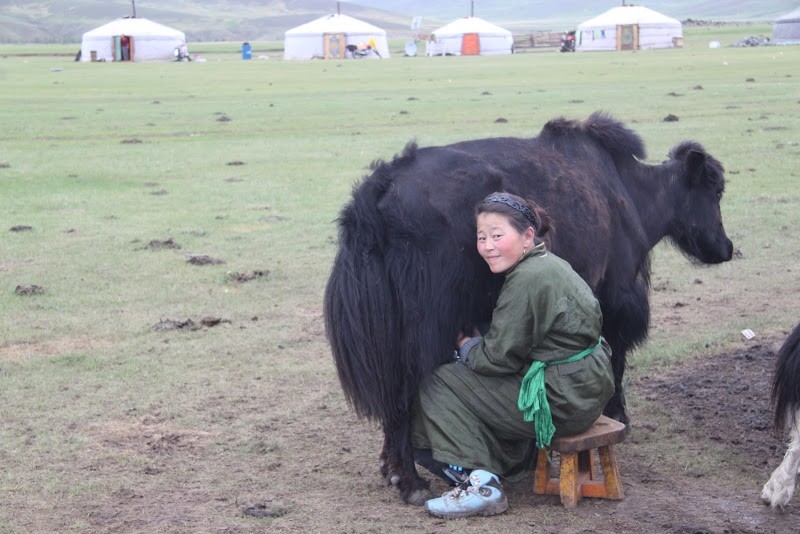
384	458
778	491
397	465
615	407
626	320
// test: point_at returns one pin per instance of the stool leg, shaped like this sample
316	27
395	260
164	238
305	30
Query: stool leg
542	473
613	482
570	490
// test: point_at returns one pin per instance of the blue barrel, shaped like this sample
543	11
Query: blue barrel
247	51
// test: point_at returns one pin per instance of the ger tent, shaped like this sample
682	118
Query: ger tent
469	36
146	40
328	37
629	28
786	29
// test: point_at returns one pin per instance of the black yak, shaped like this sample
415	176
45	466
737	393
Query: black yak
407	277
779	489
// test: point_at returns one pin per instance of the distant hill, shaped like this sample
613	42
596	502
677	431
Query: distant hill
65	21
542	13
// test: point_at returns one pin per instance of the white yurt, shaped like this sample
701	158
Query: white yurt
146	41
469	36
786	29
328	37
629	28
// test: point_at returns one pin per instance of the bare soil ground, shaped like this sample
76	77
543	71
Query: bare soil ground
699	450
719	402
281	452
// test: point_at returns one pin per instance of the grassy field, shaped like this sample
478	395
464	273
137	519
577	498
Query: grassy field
248	163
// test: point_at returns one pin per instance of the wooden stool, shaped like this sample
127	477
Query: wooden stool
577	476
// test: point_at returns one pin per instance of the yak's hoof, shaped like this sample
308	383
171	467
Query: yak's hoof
419	497
616	410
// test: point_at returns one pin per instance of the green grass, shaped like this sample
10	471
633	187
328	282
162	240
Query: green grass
100	159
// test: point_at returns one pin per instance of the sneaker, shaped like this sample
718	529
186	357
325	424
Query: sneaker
481	495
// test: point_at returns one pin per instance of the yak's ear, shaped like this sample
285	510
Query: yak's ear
695	167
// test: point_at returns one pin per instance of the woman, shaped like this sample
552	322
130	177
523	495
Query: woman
542	369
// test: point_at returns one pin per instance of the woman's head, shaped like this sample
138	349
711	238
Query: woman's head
507	227
520	212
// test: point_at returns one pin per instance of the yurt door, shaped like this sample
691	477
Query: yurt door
470	44
628	37
123	47
333	45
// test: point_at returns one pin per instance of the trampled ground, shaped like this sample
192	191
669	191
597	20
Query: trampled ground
698	451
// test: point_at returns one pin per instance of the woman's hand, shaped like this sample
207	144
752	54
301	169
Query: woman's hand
461	339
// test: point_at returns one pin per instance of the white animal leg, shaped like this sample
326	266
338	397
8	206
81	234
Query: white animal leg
778	491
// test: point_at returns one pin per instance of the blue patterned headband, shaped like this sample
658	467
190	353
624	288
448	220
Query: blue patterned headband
508	201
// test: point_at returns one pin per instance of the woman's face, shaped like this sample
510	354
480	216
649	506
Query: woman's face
499	243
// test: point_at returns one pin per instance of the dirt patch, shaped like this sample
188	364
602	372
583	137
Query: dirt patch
150	435
238	277
18	350
721	403
29	289
202	259
188	323
162	244
725	399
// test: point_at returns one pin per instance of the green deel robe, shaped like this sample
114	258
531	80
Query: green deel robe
467	413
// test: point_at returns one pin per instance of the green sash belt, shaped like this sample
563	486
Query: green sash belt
533	397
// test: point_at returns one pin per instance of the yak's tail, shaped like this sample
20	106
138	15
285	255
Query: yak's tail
359	305
786	382
389	311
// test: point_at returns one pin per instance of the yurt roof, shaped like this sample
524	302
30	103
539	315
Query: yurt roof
335	23
629	15
470	25
792	16
134	26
